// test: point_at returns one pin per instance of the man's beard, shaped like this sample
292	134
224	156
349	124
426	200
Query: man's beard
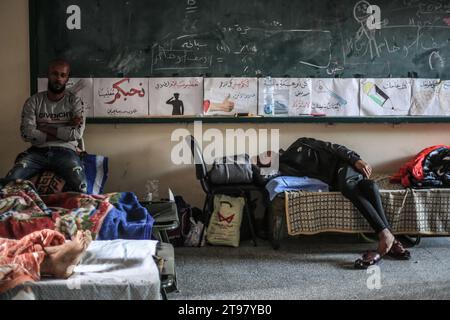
56	88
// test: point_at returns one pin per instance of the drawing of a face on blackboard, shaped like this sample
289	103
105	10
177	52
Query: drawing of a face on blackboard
360	11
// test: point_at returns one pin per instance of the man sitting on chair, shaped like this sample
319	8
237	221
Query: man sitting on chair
53	122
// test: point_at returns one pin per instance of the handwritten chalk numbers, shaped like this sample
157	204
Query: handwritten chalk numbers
374	19
74	20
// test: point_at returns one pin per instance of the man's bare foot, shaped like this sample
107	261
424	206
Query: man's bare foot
386	240
61	260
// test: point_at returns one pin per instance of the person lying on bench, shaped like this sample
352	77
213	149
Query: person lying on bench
41	253
344	170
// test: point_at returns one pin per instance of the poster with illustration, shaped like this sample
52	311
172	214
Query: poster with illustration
444	98
176	96
425	97
124	97
228	96
385	97
81	87
335	97
284	96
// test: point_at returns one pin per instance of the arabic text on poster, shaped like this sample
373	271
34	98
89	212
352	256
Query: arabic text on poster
126	97
176	96
284	96
335	97
81	87
385	97
228	96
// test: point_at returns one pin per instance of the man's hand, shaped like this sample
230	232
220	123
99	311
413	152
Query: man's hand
41	127
76	121
50	131
364	168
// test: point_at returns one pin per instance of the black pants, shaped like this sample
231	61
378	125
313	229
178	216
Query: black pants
364	194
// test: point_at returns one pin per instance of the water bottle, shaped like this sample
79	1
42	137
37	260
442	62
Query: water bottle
269	107
152	190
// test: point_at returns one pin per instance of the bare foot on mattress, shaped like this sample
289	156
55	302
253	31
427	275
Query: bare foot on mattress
61	260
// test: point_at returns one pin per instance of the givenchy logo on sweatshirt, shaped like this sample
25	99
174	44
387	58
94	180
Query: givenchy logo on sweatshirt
52	116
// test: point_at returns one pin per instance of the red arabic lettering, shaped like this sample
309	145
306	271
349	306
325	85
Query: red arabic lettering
121	92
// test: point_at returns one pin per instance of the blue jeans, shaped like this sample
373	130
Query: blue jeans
63	162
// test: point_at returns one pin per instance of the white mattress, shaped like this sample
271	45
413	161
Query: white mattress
116	270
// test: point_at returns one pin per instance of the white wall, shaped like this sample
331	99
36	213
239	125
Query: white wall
141	151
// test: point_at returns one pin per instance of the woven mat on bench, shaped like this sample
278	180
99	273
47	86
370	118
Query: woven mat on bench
409	211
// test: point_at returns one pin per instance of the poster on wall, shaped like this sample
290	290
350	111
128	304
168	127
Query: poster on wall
385	97
284	96
335	97
81	87
444	97
120	97
425	97
229	96
176	96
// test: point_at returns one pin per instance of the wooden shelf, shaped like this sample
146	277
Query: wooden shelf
306	119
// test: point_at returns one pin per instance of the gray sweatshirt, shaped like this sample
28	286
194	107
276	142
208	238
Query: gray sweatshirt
38	109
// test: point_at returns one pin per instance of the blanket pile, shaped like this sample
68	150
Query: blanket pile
430	168
110	216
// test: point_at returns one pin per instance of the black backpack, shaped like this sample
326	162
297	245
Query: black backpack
188	218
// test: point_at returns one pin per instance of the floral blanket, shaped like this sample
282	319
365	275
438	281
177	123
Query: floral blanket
109	216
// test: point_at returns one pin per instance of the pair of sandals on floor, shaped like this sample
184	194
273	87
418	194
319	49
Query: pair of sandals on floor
371	258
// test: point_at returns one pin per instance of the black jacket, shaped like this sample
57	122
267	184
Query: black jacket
316	159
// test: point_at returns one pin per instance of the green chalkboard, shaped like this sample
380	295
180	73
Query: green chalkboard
296	38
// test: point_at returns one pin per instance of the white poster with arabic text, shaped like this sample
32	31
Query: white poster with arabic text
385	97
444	97
176	96
425	97
81	87
335	97
228	96
120	97
284	96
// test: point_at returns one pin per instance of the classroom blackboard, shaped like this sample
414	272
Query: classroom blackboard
244	38
252	38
